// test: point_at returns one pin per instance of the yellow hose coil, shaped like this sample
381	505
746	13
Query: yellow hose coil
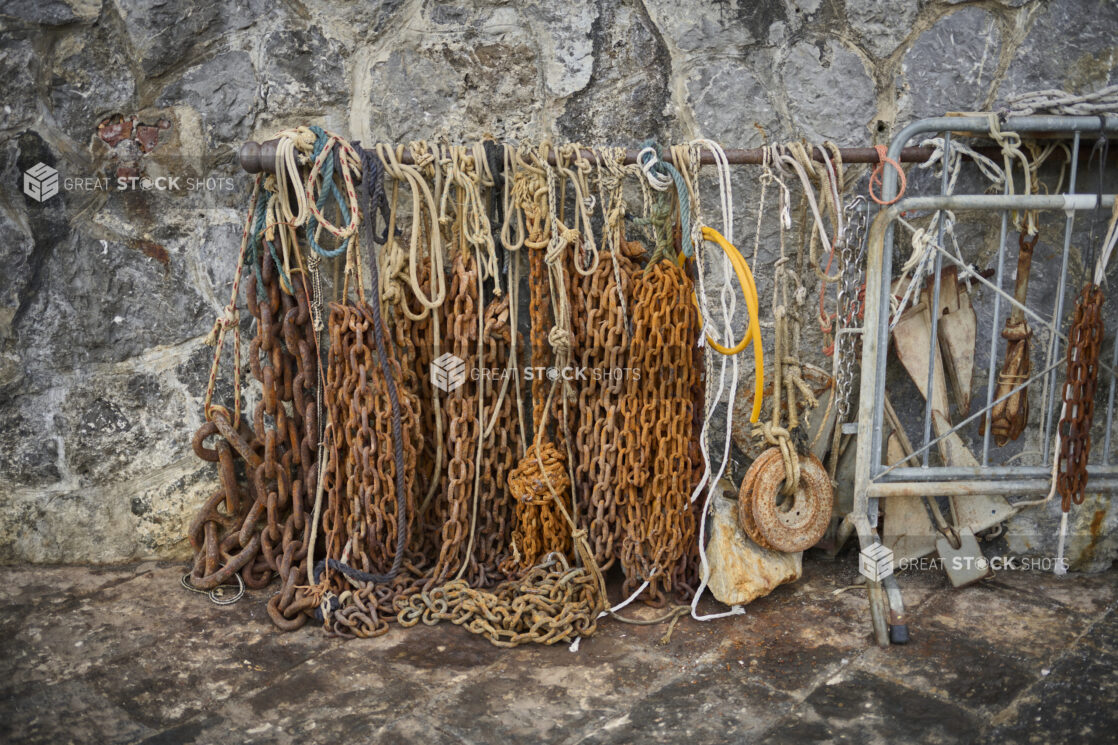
752	332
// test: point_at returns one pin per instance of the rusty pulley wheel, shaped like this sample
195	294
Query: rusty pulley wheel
785	523
745	495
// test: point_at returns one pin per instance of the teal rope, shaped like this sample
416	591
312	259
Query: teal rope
662	168
329	190
252	256
284	279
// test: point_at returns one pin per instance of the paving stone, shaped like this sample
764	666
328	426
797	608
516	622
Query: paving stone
955	669
330	698
707	706
1073	703
431	650
1086	594
126	625
864	708
800	640
548	694
42	584
125	655
1103	634
1025	628
66	711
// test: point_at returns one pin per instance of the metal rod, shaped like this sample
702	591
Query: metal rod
991	376
1058	311
934	343
880	327
1002	202
996	473
1110	403
973	486
258	157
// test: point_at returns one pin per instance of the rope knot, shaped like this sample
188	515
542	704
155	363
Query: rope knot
560	340
229	318
555	249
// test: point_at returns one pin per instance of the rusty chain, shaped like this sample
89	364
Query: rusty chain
655	466
551	603
604	354
1084	343
360	521
261	530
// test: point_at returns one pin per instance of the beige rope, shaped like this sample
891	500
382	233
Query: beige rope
422	199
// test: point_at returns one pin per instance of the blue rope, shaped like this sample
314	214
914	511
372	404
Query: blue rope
330	189
663	168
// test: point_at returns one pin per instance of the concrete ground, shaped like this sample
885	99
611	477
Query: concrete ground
124	654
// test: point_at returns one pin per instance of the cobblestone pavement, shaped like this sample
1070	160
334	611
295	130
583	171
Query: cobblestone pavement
123	654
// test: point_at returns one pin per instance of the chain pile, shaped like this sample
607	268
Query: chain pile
362	518
552	603
262	529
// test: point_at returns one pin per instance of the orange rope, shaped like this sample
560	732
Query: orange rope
879	172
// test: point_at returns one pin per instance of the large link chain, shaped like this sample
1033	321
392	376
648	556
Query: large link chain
263	529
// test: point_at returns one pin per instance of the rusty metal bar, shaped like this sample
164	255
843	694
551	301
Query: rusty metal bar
257	157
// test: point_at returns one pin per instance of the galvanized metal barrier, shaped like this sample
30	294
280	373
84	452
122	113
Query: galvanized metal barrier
977	490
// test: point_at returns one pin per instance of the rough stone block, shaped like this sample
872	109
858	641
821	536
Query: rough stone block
740	570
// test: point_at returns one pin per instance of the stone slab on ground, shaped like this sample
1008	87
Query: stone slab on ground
124	655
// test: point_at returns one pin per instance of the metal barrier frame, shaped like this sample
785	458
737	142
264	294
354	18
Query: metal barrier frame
873	480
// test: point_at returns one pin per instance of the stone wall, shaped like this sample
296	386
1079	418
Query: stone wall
105	297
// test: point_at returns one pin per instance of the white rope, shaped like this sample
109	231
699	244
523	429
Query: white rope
950	156
728	303
1058	568
631	598
1052	101
647	159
